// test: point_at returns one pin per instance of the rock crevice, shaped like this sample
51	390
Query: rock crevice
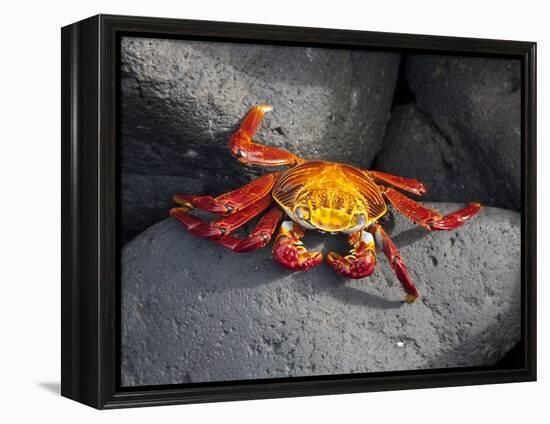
472	104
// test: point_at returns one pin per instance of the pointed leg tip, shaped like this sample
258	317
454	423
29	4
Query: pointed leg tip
182	201
175	212
420	189
410	298
265	108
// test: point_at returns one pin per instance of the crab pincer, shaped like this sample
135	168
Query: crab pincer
289	251
360	262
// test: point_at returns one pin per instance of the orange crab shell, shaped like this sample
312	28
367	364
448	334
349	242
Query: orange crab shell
329	196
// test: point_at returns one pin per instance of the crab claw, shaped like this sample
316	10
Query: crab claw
361	261
289	251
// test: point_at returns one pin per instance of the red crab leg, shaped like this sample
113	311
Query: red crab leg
289	251
232	201
396	262
259	237
361	260
428	218
249	152
413	186
222	226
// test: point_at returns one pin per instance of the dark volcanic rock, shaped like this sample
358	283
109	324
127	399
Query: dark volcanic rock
146	199
413	147
181	100
476	105
193	311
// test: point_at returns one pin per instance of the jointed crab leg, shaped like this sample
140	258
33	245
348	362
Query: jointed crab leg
289	251
396	262
413	186
237	207
220	229
361	260
232	201
259	237
428	218
222	226
249	152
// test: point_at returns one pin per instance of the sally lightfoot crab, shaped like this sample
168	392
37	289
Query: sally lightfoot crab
315	195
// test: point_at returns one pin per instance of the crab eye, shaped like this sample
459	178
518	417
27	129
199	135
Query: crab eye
361	220
302	213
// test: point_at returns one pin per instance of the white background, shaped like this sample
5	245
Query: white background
30	213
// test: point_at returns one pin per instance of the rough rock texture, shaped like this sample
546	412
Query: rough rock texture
146	199
476	105
415	148
182	99
193	311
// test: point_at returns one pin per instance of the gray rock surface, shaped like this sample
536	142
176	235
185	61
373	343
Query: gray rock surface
193	311
476	105
181	100
146	199
413	147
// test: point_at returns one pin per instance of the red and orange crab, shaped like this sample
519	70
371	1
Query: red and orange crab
315	195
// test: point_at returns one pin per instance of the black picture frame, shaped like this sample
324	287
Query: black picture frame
90	196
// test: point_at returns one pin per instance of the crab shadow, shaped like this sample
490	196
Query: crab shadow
321	279
258	268
409	237
335	287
